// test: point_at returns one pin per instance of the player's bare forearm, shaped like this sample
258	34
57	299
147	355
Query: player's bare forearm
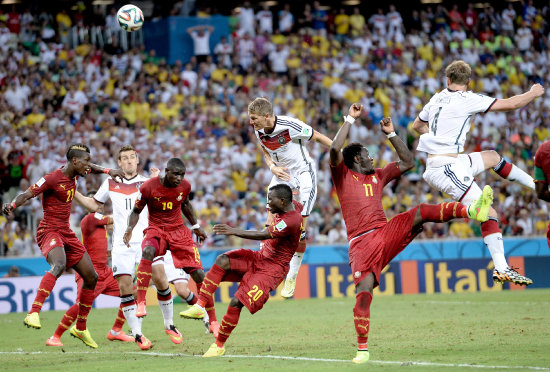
406	158
116	174
188	211
518	101
133	219
338	142
90	204
322	139
268	161
18	201
222	229
420	126
543	193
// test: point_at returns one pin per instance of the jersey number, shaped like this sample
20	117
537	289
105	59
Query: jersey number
436	118
368	189
70	195
254	293
166	206
128	203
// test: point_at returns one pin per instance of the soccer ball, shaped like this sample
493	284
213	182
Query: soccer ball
130	18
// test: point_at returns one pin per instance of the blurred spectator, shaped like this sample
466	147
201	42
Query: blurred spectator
13	272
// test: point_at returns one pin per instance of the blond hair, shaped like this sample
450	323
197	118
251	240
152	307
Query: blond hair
261	106
458	72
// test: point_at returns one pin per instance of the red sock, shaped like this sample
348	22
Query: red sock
119	322
229	322
44	289
211	282
192	298
144	273
442	212
85	303
489	227
361	318
67	321
503	168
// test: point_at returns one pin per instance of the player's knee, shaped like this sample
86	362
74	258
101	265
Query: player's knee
58	268
91	279
148	253
491	158
198	275
223	262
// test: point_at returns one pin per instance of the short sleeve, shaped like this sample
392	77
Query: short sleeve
285	226
424	114
143	195
539	175
103	193
479	103
337	172
100	219
297	128
390	172
42	185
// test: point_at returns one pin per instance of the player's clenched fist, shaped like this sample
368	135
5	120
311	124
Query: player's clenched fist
355	110
537	90
387	125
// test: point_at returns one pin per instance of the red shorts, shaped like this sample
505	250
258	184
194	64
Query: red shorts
48	239
106	283
371	252
257	275
548	235
180	243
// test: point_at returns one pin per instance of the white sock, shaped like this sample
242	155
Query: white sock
189	298
114	333
519	176
496	247
167	308
295	265
133	321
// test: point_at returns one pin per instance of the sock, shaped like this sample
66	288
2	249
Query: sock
85	303
514	174
67	321
361	318
119	321
144	273
442	212
209	285
191	299
44	289
229	322
492	236
128	306
295	265
166	304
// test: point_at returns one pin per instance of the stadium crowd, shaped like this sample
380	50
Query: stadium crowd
312	63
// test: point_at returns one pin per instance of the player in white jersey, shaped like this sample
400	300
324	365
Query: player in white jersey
125	260
443	124
283	141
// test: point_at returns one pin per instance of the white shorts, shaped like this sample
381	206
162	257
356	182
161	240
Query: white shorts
125	259
172	273
306	183
455	176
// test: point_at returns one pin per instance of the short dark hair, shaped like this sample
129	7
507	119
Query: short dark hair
175	163
77	150
350	152
126	148
283	191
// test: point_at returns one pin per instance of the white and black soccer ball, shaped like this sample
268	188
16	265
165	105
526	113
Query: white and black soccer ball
130	18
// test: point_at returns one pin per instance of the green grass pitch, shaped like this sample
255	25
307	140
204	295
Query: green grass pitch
468	331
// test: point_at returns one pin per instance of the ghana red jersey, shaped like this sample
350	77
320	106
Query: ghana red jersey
94	237
285	229
360	196
542	160
164	203
58	193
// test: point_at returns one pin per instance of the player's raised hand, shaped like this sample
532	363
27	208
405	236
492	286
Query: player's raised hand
387	125
281	173
154	171
116	174
7	208
200	234
355	110
537	90
127	236
222	229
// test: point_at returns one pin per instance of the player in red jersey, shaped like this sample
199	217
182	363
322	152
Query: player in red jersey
259	272
166	198
542	176
57	241
94	238
373	240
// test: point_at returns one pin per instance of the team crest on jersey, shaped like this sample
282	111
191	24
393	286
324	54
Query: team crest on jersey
280	226
466	179
52	243
357	274
305	131
114	269
179	197
374	179
281	140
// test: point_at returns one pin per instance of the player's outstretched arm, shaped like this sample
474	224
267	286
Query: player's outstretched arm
189	213
518	101
406	158
341	137
280	172
321	138
90	204
420	126
116	174
19	200
133	219
223	229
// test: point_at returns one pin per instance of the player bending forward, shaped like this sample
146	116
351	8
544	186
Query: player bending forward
374	241
259	272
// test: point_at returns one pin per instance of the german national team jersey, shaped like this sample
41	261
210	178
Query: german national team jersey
94	237
123	195
287	228
164	203
286	144
542	162
448	115
360	196
58	190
